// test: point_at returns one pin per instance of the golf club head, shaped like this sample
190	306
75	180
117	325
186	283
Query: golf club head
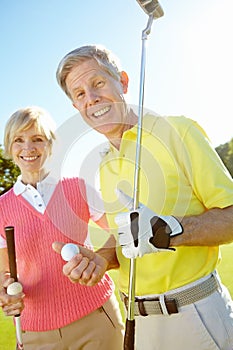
151	7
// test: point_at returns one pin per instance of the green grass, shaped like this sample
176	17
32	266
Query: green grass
7	333
225	269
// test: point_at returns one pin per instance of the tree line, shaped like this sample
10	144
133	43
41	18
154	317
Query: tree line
225	152
9	171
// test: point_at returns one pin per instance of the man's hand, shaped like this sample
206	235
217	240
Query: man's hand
142	231
86	267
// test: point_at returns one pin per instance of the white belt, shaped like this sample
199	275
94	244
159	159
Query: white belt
169	304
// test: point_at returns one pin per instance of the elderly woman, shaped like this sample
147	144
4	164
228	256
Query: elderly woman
55	313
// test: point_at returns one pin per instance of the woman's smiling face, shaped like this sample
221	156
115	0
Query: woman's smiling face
29	150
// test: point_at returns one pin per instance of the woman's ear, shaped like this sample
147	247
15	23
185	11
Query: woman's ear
124	79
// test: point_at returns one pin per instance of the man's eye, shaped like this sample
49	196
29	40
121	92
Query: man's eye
79	95
100	83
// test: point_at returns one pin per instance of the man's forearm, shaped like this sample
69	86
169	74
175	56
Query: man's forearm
108	251
212	228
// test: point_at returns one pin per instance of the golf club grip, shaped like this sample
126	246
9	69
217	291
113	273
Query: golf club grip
129	335
10	240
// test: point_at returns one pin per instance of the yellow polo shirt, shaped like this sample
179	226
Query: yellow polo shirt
180	175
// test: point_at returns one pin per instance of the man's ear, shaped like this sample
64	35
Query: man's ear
124	81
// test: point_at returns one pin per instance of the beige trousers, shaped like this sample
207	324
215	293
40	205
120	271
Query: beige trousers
204	325
101	330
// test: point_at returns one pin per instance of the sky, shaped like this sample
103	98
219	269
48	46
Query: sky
189	56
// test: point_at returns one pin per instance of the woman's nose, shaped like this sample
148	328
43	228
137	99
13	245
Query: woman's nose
28	145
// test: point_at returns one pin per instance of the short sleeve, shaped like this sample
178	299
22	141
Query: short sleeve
95	203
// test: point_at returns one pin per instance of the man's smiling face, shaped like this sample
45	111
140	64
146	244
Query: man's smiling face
99	97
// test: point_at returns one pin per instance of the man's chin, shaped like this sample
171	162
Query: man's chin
108	129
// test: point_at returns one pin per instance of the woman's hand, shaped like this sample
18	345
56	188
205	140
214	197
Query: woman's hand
12	305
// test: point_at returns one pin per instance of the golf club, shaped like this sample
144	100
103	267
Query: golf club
151	7
10	239
154	11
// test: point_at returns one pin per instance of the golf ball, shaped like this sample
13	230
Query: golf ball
69	250
14	288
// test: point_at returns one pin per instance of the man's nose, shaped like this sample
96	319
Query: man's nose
92	98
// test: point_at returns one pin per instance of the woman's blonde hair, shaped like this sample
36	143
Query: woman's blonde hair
24	119
103	57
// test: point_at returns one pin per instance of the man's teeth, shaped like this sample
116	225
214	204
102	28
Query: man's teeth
102	111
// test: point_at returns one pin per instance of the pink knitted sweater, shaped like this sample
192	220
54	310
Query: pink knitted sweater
51	301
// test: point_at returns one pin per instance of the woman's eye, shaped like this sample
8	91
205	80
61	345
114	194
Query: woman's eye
38	139
18	139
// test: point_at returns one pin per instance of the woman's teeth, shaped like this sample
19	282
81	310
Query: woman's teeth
29	158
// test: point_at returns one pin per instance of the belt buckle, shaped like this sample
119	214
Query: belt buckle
167	306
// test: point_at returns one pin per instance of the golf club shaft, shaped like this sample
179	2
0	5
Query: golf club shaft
145	33
10	239
154	10
130	322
